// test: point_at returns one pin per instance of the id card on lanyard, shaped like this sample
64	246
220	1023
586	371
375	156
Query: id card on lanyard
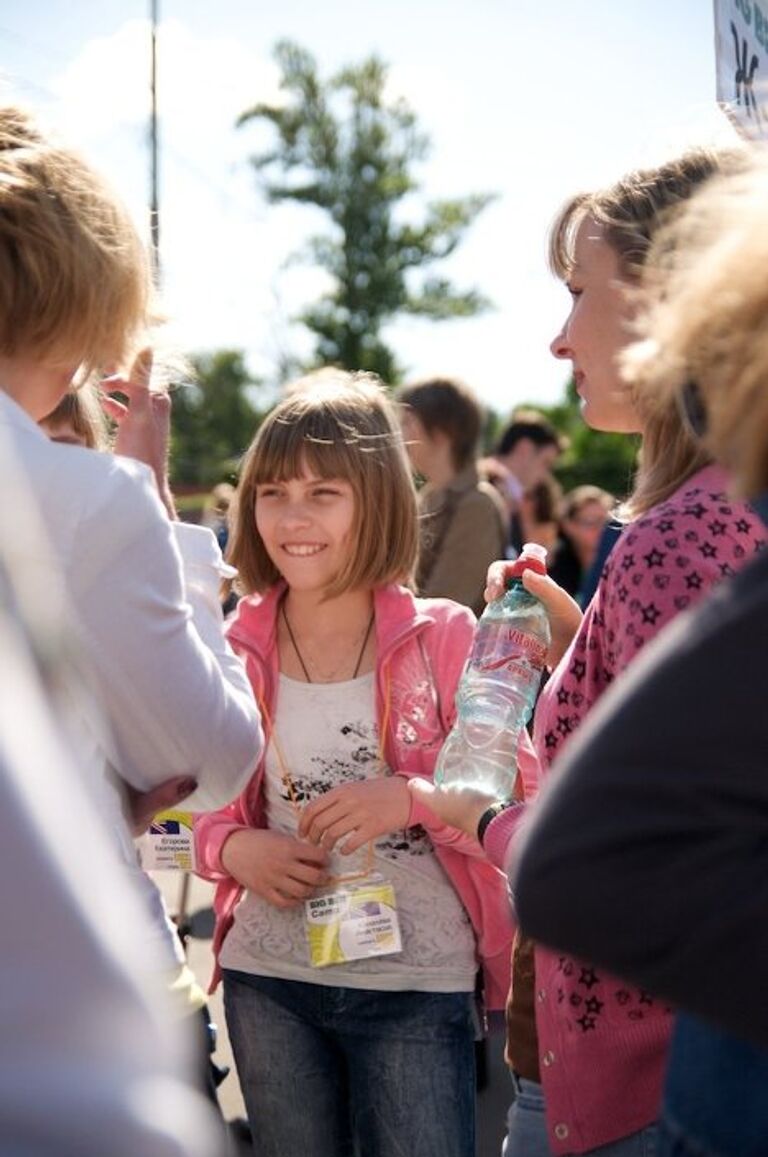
354	921
356	917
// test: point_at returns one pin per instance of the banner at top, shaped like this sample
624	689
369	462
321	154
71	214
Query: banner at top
741	55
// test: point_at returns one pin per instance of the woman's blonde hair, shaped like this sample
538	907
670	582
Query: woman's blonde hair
706	320
75	284
630	213
336	425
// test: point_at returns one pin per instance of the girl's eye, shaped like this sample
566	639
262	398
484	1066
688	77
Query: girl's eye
325	491
267	492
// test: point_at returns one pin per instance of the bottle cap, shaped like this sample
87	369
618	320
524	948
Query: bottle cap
533	556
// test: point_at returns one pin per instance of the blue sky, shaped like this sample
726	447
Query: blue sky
531	100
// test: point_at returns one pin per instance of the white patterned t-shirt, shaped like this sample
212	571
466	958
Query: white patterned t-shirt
328	735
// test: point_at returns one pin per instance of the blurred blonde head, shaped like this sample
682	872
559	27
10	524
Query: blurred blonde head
75	285
707	320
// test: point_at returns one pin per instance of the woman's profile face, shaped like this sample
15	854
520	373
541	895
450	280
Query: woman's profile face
596	331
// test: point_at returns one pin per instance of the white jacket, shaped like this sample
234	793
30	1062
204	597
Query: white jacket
143	595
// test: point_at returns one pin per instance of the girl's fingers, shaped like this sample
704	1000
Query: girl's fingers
342	827
356	841
306	852
318	815
296	889
279	900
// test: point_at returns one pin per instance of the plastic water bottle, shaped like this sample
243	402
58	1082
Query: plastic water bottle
499	685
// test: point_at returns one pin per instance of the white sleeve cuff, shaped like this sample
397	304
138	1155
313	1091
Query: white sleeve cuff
199	548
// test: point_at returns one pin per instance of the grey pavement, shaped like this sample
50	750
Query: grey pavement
493	1099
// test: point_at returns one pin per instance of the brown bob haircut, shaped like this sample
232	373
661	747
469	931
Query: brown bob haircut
75	285
336	425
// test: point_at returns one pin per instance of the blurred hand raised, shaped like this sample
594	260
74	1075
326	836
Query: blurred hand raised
144	424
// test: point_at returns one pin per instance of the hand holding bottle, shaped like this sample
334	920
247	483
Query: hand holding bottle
499	686
564	613
459	807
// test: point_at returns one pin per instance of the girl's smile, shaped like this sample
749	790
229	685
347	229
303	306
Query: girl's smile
302	549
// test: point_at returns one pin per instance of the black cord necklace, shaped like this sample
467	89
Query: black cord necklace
299	656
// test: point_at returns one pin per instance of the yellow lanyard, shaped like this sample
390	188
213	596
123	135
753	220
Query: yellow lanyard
290	787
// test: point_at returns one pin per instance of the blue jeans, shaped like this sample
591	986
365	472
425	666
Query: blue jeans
715	1094
527	1129
342	1072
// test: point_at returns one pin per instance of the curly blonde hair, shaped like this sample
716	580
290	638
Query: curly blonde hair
706	320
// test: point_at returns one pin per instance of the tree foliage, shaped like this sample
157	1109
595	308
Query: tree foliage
340	145
213	419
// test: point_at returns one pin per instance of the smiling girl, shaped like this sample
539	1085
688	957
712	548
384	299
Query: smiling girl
348	933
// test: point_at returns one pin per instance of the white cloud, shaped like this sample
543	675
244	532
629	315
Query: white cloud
222	252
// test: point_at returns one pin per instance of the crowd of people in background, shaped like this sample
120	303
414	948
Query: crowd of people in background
363	914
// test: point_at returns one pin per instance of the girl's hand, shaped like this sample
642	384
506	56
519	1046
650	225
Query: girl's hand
459	807
278	867
564	613
362	811
144	425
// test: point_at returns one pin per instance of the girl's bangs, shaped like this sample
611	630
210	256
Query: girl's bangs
293	445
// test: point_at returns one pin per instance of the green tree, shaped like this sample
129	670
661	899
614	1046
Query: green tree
214	419
341	146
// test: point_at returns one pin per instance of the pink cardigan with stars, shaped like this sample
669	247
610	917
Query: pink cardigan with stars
603	1043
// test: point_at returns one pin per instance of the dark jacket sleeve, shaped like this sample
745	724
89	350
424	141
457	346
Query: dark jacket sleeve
649	853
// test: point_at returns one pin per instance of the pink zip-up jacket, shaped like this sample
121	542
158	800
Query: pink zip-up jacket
603	1043
421	648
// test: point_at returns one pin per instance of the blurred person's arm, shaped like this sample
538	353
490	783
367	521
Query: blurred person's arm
146	595
482	818
146	590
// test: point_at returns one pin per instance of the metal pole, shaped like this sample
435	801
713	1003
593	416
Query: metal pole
154	200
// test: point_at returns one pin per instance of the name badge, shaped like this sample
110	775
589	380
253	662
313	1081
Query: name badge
354	922
169	843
